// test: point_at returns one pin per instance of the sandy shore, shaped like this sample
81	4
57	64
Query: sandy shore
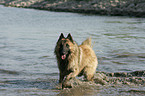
133	8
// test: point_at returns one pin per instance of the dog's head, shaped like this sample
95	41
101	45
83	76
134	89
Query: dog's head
64	46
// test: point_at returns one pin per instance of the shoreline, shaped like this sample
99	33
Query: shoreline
131	8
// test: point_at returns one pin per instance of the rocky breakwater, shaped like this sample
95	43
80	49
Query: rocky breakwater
134	8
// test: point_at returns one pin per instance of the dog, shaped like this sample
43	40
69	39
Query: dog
75	60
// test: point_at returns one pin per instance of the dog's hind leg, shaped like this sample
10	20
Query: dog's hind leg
89	74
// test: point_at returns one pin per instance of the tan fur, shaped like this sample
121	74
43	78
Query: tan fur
88	42
82	61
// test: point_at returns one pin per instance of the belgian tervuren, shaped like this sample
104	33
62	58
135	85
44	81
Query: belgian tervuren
75	60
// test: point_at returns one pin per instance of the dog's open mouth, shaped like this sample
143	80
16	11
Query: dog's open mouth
63	57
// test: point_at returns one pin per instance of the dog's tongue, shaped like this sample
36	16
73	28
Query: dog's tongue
63	57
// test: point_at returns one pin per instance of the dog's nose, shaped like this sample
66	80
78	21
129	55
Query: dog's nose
64	52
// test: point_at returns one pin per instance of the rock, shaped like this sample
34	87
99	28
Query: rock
100	81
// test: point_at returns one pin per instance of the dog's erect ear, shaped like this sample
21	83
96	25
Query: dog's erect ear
61	36
70	37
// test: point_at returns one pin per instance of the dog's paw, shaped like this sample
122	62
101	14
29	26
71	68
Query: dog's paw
67	84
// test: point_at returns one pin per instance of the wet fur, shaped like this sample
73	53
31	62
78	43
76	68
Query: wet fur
80	59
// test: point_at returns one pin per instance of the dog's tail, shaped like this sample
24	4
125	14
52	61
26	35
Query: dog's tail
88	42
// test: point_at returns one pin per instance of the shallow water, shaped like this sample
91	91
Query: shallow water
28	37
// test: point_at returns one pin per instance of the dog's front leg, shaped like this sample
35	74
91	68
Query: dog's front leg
61	77
71	75
67	82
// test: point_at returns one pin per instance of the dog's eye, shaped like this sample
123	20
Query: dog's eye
67	45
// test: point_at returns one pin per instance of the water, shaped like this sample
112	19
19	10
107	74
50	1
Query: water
28	37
